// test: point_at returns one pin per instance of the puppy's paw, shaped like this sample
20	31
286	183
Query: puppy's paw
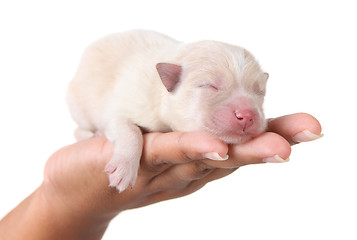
122	174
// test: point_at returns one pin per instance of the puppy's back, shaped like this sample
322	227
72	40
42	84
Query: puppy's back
117	65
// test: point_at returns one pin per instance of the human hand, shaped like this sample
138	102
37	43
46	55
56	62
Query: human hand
173	165
75	202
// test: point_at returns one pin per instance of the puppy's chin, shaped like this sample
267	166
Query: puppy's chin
237	139
233	137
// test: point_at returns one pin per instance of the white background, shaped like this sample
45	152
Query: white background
309	50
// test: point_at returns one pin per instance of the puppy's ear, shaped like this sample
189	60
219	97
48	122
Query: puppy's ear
170	75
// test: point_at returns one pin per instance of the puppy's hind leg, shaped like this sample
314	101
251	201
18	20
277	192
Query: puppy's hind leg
82	134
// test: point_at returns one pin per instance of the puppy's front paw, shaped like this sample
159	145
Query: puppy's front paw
122	173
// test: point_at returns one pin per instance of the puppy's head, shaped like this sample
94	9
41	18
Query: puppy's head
215	87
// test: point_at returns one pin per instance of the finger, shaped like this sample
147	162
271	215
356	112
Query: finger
178	147
267	147
179	176
295	128
213	175
167	192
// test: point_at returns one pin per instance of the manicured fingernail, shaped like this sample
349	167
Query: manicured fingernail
275	159
306	136
215	156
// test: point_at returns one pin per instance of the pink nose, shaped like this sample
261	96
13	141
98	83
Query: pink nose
245	118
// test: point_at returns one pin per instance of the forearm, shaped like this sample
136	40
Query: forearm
37	218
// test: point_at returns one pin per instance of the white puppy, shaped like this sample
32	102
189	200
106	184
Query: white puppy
142	80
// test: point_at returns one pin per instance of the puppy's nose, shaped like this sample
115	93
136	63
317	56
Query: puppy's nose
245	118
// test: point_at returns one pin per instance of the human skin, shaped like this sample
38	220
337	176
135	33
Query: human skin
75	202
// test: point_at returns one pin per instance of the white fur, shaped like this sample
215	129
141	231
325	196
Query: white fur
117	89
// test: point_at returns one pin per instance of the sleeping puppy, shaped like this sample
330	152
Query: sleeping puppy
140	80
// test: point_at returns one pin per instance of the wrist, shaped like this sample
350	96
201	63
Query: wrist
42	216
67	218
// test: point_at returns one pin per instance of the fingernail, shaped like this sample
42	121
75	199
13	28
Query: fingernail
215	156
306	136
275	159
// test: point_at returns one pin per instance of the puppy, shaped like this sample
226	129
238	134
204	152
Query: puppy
139	80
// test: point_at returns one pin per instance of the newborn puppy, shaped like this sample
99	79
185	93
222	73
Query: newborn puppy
142	80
